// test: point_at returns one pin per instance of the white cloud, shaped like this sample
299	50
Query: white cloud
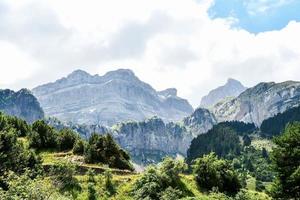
168	43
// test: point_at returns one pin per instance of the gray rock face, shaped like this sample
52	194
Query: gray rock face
259	103
231	89
200	121
21	104
115	97
150	140
154	139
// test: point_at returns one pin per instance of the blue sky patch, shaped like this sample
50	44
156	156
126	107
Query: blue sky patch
257	16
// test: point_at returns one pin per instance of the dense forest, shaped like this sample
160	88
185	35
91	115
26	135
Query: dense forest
40	162
275	125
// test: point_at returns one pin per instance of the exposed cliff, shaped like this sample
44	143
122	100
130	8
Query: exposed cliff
20	104
231	89
114	97
259	102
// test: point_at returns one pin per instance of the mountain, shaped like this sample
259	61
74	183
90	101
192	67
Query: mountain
259	102
231	89
200	121
114	97
20	104
150	140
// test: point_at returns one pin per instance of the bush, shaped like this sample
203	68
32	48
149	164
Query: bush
103	149
62	176
66	139
160	183
212	172
14	156
79	147
42	136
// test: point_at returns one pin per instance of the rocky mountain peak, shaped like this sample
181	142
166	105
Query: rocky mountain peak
121	74
116	96
169	92
78	74
232	88
259	102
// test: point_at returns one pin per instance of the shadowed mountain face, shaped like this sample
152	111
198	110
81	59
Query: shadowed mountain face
20	104
231	89
114	97
259	102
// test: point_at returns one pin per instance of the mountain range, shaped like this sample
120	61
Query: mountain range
149	124
114	97
259	102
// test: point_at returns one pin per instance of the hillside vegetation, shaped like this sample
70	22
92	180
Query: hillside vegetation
39	162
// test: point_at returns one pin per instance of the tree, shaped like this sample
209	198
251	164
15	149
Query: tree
286	159
79	147
161	182
246	140
42	136
103	149
66	139
212	172
14	156
221	139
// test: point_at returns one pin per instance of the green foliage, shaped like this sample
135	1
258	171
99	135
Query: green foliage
246	140
256	163
160	183
251	195
108	183
221	139
66	139
14	156
25	188
62	176
79	147
103	149
10	122
92	193
170	193
273	126
42	136
241	128
286	158
212	172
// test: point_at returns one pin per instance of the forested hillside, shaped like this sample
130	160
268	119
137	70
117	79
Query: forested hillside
275	125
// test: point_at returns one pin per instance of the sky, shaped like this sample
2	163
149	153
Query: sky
192	45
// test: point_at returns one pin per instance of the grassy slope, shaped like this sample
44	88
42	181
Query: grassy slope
123	180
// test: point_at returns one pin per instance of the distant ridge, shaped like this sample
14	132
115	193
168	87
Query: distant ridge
232	88
114	97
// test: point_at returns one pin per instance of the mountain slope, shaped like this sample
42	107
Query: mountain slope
231	89
150	140
259	102
114	97
20	104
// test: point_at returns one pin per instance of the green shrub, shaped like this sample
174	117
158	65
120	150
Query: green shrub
79	147
66	139
212	172
42	136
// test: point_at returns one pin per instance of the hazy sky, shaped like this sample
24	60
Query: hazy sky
193	45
